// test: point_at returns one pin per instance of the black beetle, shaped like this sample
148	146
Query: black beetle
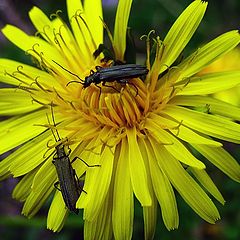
70	185
120	73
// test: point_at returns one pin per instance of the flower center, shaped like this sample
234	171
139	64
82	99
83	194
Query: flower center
113	104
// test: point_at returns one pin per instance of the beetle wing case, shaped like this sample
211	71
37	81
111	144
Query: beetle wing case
119	72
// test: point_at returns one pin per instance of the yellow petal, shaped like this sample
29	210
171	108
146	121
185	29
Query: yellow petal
94	18
216	106
100	178
29	43
164	192
120	28
181	32
29	156
15	101
101	227
137	170
23	188
181	131
190	191
210	83
55	32
150	219
173	145
19	74
82	33
221	159
24	127
150	212
90	176
207	182
215	126
42	186
42	24
123	202
58	35
4	167
57	213
208	53
72	7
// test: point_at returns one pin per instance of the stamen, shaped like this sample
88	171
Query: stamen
14	76
81	24
148	48
114	114
44	34
47	90
70	52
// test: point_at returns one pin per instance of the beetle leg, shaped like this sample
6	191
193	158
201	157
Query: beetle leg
96	165
100	89
56	186
69	151
79	183
125	81
134	87
98	67
104	84
55	157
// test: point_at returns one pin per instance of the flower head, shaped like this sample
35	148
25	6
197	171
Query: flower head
142	133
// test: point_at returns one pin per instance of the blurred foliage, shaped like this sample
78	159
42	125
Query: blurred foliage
221	16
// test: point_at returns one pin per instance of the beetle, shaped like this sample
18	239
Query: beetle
70	185
120	73
67	178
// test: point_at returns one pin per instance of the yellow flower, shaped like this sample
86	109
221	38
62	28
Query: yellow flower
143	134
229	62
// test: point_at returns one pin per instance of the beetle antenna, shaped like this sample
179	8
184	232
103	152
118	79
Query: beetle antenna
54	123
74	82
51	128
74	74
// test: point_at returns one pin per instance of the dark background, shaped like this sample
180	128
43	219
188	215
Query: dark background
146	15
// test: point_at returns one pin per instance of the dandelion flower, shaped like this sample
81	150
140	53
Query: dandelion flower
143	134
